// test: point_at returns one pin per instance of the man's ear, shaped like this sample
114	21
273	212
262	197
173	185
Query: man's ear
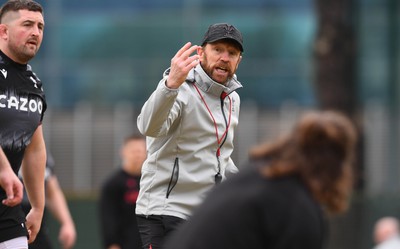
3	31
237	64
200	51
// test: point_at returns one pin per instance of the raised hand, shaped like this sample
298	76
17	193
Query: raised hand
181	64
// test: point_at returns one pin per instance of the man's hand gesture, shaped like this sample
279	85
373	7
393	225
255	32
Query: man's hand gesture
181	64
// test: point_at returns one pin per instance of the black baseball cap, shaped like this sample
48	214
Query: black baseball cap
221	31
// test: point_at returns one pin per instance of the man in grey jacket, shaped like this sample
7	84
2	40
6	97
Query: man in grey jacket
189	122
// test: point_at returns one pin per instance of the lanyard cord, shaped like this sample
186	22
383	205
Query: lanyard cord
220	141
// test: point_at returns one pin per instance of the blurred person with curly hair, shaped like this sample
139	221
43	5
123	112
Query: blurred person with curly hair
282	197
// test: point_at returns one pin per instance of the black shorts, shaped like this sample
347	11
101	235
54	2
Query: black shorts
155	228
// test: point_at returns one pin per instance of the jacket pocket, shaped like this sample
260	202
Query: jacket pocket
174	177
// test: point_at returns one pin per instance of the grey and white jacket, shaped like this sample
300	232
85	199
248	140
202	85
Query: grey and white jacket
182	144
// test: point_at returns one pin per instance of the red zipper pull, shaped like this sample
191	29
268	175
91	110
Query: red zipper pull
223	95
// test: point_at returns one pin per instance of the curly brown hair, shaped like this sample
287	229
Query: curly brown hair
320	150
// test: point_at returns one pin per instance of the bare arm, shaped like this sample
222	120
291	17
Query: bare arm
9	182
56	203
33	169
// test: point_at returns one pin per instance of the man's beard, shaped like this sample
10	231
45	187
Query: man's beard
22	53
209	71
